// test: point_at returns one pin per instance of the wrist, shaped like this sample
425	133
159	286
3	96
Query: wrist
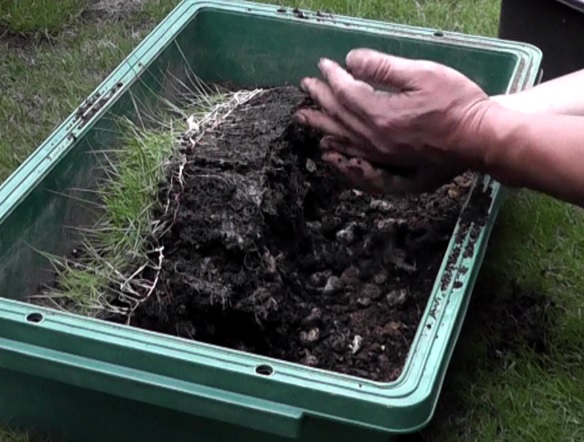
498	142
525	102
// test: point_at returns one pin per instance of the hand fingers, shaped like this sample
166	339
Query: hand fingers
377	67
354	173
324	123
352	94
322	94
376	108
333	103
367	152
350	148
371	179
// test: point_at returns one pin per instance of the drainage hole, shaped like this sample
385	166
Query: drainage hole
264	370
35	317
438	34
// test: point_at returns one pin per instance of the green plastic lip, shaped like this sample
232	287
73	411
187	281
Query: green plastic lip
57	348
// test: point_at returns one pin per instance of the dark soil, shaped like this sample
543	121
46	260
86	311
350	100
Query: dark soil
270	253
526	319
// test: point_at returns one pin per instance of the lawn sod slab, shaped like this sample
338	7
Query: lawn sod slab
268	252
251	242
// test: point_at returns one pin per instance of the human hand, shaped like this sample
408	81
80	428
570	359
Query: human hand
428	126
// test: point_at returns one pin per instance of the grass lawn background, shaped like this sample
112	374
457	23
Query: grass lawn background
517	373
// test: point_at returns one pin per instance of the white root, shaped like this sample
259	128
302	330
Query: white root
196	130
152	287
355	346
131	288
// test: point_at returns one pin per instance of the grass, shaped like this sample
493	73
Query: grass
118	249
12	436
39	17
498	388
117	244
476	17
32	103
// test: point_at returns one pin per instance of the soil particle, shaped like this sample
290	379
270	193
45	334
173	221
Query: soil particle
276	258
397	297
324	14
299	14
93	104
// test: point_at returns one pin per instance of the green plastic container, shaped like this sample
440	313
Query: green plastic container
95	381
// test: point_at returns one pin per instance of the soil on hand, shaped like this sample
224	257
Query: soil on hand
269	252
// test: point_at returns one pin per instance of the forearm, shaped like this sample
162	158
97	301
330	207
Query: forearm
563	96
540	152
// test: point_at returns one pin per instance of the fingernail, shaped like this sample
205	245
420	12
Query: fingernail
325	63
353	59
349	59
325	143
304	85
331	157
301	118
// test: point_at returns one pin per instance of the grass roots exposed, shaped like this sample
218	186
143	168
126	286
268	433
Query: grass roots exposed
115	268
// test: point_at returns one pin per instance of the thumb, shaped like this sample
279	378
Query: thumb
382	69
